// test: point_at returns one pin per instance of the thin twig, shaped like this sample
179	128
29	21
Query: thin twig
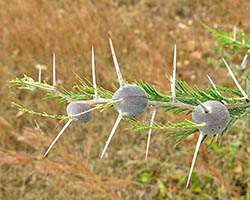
177	104
238	105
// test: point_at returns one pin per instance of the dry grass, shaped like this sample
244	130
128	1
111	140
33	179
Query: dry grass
143	33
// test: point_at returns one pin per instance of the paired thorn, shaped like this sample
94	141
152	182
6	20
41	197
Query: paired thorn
54	69
54	84
117	68
93	74
57	137
150	131
111	134
201	136
235	80
173	77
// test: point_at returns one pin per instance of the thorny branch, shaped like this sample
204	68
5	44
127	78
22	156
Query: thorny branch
182	97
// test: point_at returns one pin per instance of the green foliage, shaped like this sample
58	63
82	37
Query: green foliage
240	43
29	84
85	87
186	125
196	183
153	94
162	187
147	177
188	95
180	130
44	114
81	91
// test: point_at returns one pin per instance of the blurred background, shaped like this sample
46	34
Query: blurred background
143	33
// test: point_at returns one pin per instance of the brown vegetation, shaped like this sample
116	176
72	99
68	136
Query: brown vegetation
143	33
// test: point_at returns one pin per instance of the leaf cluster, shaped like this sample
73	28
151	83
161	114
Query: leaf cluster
241	43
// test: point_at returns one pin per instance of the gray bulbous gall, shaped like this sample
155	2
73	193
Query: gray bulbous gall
216	119
78	107
134	102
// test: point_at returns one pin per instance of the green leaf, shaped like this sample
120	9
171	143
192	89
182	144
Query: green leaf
145	177
162	187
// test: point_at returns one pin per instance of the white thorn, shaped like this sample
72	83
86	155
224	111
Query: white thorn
244	61
216	139
201	136
57	137
111	134
173	77
247	86
117	68
214	86
54	69
234	34
205	109
150	131
39	74
243	42
93	73
235	80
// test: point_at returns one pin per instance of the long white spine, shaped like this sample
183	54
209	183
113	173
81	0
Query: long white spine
173	77
235	80
117	68
213	85
244	61
57	137
93	73
150	131
111	134
39	74
54	70
194	157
